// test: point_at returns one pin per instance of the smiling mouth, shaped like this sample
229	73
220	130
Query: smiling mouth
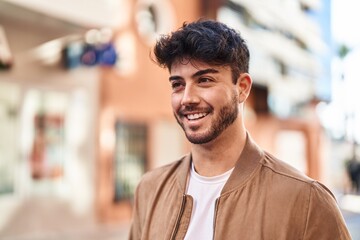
195	116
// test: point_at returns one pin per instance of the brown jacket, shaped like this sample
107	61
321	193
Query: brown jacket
264	199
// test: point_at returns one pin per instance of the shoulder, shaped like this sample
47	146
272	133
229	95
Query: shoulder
151	188
284	170
160	175
323	216
293	179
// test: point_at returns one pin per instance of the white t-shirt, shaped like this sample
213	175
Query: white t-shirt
205	191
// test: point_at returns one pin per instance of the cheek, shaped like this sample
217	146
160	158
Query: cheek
217	97
175	101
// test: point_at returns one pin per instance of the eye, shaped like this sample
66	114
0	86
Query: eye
176	85
204	80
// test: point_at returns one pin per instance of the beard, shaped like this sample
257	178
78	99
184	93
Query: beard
227	115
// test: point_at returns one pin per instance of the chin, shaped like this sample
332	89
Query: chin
200	139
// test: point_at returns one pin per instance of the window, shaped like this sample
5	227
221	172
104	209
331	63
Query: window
47	154
9	101
130	158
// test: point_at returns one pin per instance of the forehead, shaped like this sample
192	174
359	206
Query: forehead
184	66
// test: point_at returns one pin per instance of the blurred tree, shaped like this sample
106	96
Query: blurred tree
342	53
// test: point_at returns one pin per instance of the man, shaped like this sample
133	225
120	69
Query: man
226	187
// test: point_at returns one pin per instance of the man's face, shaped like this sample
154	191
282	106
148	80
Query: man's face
204	99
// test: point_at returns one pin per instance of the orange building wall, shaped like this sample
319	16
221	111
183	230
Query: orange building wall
145	93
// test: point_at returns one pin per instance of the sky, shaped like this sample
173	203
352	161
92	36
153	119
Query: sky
345	16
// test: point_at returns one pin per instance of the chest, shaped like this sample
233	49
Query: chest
248	212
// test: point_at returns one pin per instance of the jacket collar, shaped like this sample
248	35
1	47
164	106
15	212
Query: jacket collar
246	164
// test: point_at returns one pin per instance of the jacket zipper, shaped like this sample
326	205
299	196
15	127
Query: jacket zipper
215	212
179	217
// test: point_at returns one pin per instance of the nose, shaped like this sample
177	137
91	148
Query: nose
190	96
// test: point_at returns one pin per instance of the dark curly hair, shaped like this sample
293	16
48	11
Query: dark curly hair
206	41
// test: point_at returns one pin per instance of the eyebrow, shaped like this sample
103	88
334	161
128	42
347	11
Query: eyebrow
197	74
205	71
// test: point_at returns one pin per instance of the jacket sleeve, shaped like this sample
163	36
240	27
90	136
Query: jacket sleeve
324	219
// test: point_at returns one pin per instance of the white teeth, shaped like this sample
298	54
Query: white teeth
196	116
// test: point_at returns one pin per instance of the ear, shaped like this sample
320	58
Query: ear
244	85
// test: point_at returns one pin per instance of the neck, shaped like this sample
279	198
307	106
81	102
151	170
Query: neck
221	154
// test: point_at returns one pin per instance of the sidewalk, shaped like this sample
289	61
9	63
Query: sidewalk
353	223
350	207
51	219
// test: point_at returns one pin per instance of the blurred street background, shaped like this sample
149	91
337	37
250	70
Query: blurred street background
84	111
